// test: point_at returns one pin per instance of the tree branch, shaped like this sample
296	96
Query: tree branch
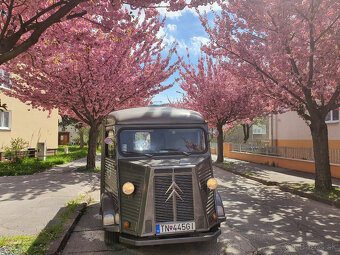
9	17
39	28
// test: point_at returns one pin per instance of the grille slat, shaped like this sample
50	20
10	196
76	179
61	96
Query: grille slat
131	205
204	172
185	208
111	179
163	210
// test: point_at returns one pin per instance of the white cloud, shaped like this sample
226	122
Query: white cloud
196	43
170	14
201	9
171	27
170	39
206	8
161	33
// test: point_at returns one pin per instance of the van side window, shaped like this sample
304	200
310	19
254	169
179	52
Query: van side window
110	144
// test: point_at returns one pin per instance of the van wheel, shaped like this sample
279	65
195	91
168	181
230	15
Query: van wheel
111	237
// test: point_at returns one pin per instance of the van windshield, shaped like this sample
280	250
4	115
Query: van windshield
162	141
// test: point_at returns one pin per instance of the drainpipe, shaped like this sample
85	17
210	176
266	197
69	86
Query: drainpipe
272	129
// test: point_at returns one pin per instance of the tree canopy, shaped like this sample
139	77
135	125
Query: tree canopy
290	50
87	73
222	98
24	21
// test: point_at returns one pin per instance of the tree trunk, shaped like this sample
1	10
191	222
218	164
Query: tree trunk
100	137
323	180
91	154
246	129
219	143
81	137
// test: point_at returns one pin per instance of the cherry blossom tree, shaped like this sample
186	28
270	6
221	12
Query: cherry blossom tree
24	21
291	50
87	73
222	98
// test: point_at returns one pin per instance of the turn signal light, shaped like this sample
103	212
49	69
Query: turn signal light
213	217
126	224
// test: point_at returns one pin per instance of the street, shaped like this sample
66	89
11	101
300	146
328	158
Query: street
260	220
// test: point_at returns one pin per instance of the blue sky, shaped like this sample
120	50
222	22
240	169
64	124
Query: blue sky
185	28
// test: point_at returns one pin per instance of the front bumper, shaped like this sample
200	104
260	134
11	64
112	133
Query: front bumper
197	237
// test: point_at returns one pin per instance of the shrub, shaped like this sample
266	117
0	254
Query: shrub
16	151
32	165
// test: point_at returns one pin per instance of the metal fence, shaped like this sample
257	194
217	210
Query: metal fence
286	152
213	145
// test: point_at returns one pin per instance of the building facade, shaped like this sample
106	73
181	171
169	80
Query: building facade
289	130
21	121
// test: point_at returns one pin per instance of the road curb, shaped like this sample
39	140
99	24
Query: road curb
57	246
281	186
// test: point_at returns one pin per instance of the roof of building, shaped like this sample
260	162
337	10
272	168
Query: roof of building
156	115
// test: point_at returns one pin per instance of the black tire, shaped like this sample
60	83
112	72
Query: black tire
111	238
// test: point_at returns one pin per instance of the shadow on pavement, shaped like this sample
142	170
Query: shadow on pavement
275	222
88	238
28	187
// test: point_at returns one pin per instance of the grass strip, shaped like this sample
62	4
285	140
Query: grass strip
333	195
228	166
32	165
37	245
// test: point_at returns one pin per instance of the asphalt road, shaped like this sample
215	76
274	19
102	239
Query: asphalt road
260	220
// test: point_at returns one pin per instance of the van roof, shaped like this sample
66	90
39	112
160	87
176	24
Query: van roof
155	115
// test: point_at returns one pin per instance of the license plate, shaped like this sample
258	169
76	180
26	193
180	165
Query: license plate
175	227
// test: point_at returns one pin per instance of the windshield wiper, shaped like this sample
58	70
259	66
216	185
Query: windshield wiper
139	154
183	152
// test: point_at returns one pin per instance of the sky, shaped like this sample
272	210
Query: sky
185	28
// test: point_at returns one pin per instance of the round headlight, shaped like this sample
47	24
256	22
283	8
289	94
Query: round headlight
117	218
128	188
212	183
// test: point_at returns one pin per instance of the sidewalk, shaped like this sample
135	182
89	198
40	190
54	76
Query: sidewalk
272	174
276	176
29	202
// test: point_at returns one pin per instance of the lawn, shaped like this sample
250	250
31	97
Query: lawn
32	165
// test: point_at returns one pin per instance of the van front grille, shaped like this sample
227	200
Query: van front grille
176	208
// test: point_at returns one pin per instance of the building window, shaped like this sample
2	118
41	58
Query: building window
5	79
332	116
5	120
259	129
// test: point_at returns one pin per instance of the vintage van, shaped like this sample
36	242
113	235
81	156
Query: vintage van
157	184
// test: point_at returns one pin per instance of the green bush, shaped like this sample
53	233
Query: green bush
17	150
32	165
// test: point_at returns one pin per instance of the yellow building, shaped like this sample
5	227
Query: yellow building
30	124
